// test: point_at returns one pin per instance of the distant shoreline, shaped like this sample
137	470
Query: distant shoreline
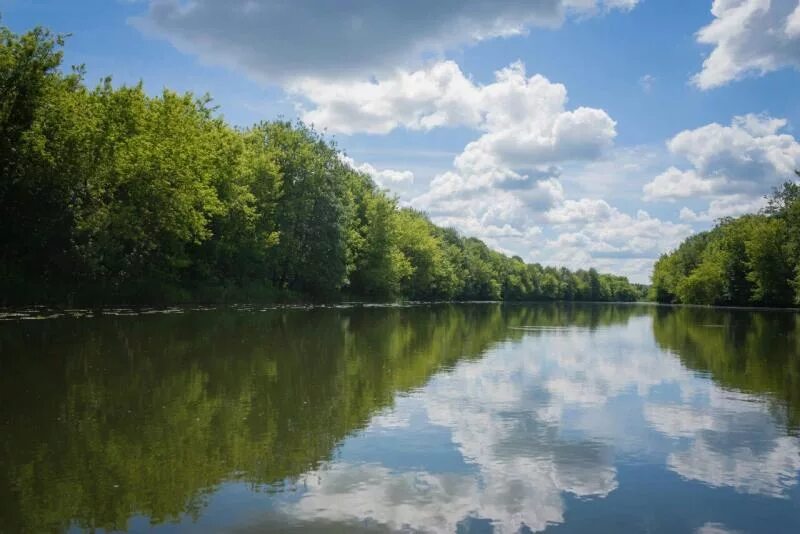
39	312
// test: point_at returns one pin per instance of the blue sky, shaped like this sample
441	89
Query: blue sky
569	132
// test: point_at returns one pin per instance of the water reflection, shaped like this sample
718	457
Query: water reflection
729	440
752	352
517	465
430	418
732	437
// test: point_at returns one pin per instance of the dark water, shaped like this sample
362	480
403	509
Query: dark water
442	418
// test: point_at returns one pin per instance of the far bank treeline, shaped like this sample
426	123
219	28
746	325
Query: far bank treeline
749	260
108	194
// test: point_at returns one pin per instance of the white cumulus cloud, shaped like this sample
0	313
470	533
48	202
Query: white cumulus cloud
439	95
382	177
745	159
675	183
524	118
750	37
725	206
606	232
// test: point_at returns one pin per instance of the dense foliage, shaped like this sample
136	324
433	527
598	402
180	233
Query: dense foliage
749	260
111	194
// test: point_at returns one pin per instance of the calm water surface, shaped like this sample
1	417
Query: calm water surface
439	418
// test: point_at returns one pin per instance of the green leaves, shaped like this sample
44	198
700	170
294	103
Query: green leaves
754	259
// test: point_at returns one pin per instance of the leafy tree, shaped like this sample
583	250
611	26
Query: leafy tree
705	284
432	275
769	269
311	254
34	214
753	259
382	266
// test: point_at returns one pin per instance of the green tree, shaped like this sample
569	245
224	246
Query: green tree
382	266
769	270
753	259
311	219
432	275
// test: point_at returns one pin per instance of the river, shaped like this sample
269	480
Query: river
429	418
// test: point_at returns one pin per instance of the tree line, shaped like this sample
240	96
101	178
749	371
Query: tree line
108	193
749	260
